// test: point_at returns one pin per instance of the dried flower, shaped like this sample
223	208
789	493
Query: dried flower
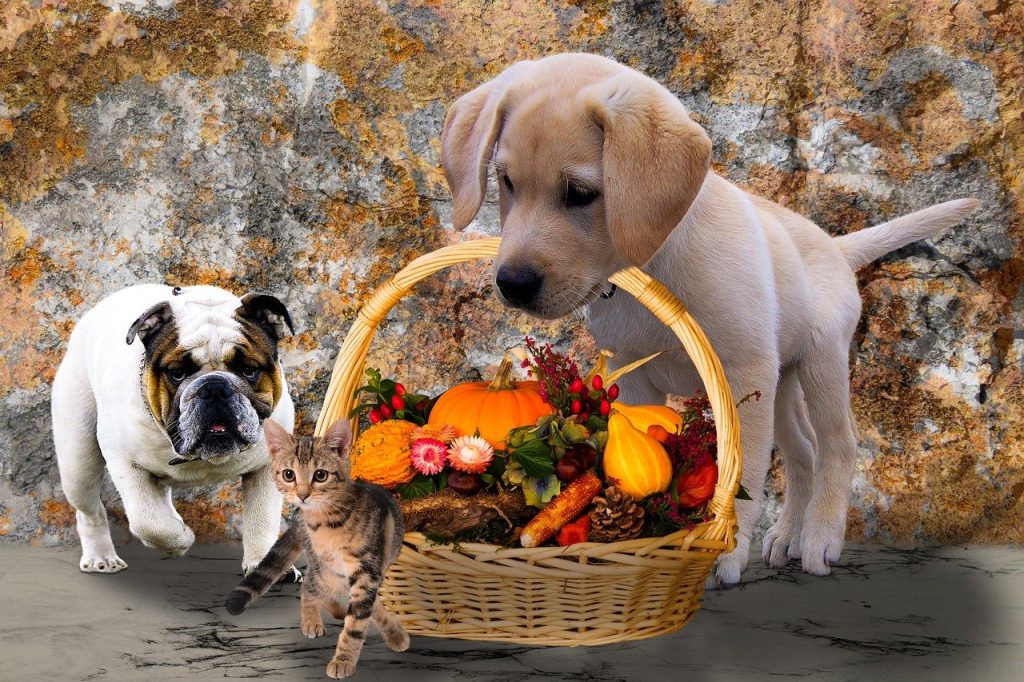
471	454
554	370
428	455
442	432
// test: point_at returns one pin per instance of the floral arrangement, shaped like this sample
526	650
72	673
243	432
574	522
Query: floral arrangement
552	458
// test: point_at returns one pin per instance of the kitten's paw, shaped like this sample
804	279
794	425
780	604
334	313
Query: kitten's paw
313	630
101	562
340	667
396	638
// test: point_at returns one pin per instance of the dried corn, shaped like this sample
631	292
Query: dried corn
566	506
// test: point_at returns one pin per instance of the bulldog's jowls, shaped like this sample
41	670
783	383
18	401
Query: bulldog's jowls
181	403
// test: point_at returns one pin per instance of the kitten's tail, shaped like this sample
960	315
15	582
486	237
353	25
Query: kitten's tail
282	555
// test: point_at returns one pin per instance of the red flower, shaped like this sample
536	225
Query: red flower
574	532
697	486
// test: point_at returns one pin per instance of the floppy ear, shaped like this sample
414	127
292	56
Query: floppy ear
655	160
279	441
471	128
267	312
150	322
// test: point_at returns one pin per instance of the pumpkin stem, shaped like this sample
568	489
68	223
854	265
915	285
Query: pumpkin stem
503	377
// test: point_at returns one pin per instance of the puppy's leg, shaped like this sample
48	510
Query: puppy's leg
636	388
261	515
151	515
825	377
795	438
81	470
757	421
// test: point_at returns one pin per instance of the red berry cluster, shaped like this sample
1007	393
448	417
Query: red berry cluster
597	400
388	399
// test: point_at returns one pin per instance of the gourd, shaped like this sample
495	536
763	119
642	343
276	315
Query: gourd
381	454
636	461
644	416
492	408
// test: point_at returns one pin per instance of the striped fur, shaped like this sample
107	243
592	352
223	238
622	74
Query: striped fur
350	533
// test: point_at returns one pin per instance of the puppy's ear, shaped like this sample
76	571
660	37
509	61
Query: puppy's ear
655	161
267	312
279	441
149	323
471	128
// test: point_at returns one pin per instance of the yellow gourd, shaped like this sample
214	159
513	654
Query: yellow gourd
637	462
644	416
381	454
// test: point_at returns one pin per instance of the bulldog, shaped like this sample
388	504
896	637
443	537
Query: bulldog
168	387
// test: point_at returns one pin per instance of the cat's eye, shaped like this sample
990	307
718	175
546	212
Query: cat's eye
250	374
577	195
508	183
176	374
288	475
320	475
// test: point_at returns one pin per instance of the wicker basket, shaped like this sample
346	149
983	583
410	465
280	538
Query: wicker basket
586	594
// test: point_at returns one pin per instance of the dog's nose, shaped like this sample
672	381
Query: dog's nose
215	388
519	286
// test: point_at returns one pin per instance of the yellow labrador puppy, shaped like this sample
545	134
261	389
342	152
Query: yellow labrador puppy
600	167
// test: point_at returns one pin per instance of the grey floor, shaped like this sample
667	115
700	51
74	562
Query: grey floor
937	614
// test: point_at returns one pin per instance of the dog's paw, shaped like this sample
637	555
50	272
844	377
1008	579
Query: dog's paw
106	562
781	543
340	667
313	630
820	548
173	542
727	571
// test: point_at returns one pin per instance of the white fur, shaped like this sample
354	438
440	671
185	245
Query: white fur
102	420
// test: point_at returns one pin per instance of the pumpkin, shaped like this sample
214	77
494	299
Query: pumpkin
637	462
492	408
644	416
381	454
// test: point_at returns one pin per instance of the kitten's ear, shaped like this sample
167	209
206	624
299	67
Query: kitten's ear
279	441
339	437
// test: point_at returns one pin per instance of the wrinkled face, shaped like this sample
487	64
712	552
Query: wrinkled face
211	373
556	252
311	473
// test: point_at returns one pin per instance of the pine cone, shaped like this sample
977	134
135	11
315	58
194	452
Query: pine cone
615	516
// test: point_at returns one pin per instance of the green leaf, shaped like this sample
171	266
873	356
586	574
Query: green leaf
597	423
535	458
574	433
421	486
387	386
364	389
742	493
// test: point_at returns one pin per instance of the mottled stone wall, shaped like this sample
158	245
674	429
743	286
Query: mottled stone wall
291	146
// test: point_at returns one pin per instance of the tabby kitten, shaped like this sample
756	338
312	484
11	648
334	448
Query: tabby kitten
350	531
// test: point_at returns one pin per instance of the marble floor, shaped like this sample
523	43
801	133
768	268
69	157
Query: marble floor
885	614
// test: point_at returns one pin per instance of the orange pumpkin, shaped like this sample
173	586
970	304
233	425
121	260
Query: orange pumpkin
494	408
644	416
637	462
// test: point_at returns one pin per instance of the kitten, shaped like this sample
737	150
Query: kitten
350	532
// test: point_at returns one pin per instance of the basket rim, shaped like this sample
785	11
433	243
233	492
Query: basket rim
648	291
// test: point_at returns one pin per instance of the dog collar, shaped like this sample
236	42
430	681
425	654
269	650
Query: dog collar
611	292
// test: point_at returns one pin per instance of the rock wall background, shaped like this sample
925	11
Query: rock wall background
291	146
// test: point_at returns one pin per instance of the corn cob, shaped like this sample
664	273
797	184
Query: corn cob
566	506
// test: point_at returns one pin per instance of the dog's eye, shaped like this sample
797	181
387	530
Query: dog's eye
320	475
508	183
176	374
250	374
288	475
578	196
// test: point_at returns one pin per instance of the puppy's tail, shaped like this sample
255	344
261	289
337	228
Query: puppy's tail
280	557
860	248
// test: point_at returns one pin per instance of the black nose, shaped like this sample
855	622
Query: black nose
519	286
215	388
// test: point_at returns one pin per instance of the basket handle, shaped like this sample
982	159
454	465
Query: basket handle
649	292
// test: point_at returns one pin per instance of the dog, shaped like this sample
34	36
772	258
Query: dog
598	168
165	387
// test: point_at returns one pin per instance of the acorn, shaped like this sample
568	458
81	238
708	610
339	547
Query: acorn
463	483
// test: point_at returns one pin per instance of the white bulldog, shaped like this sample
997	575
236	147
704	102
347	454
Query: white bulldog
181	403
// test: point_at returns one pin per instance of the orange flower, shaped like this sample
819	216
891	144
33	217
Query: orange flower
697	486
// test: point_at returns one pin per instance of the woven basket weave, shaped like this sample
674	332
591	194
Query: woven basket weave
586	594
